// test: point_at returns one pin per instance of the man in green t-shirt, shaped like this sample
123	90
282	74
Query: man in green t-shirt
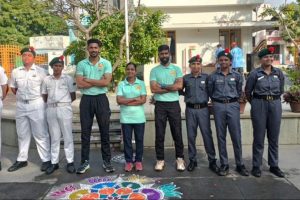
165	81
93	75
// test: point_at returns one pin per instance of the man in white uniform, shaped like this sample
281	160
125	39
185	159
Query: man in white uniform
26	82
3	92
58	92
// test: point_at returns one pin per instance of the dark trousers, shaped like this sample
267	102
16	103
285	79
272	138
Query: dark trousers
89	106
138	130
168	111
266	117
199	118
228	115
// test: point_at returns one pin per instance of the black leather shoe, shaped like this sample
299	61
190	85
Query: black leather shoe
277	171
256	172
241	169
17	165
214	167
192	165
71	168
224	170
52	168
45	166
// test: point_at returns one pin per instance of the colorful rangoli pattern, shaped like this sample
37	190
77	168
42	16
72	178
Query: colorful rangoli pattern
117	187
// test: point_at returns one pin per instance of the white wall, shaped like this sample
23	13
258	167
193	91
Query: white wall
203	41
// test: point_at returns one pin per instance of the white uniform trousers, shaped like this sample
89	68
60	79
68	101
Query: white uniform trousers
60	122
1	106
31	119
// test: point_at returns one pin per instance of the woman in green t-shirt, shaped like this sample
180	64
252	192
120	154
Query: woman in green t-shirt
131	95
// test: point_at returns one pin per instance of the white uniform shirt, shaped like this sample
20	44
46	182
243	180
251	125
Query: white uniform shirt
58	90
3	80
28	83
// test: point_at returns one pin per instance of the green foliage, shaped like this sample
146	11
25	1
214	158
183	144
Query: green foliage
145	37
293	94
21	19
287	16
78	48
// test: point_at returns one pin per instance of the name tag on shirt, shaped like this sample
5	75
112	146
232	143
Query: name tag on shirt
202	82
232	79
275	76
259	78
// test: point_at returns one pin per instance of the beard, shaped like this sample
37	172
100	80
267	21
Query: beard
164	60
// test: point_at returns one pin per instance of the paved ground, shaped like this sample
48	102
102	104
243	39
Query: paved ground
31	183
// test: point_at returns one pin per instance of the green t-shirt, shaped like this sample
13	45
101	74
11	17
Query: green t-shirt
132	114
167	76
86	69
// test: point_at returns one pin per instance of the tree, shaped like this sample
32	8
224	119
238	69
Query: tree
75	11
145	37
288	16
21	19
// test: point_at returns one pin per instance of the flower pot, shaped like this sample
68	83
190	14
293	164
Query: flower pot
242	107
295	106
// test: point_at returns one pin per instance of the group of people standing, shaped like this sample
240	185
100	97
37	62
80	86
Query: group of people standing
44	103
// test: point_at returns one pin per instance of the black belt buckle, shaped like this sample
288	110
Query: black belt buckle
226	101
26	101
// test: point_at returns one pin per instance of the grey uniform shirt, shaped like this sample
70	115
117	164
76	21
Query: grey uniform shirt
195	90
259	83
223	87
28	83
58	90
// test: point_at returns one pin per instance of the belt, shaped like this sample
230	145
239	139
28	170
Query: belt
28	101
226	100
196	105
266	97
53	105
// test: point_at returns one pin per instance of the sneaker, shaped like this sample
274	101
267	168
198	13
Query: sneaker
83	167
107	166
128	166
180	165
159	166
138	166
71	168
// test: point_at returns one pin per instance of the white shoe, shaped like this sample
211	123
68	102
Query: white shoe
159	166
180	164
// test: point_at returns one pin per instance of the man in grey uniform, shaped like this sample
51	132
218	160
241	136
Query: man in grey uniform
225	88
197	114
264	87
26	82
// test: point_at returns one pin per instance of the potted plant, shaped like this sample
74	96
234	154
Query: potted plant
243	102
292	96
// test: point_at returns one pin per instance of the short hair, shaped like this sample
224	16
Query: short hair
131	63
163	47
93	40
219	45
